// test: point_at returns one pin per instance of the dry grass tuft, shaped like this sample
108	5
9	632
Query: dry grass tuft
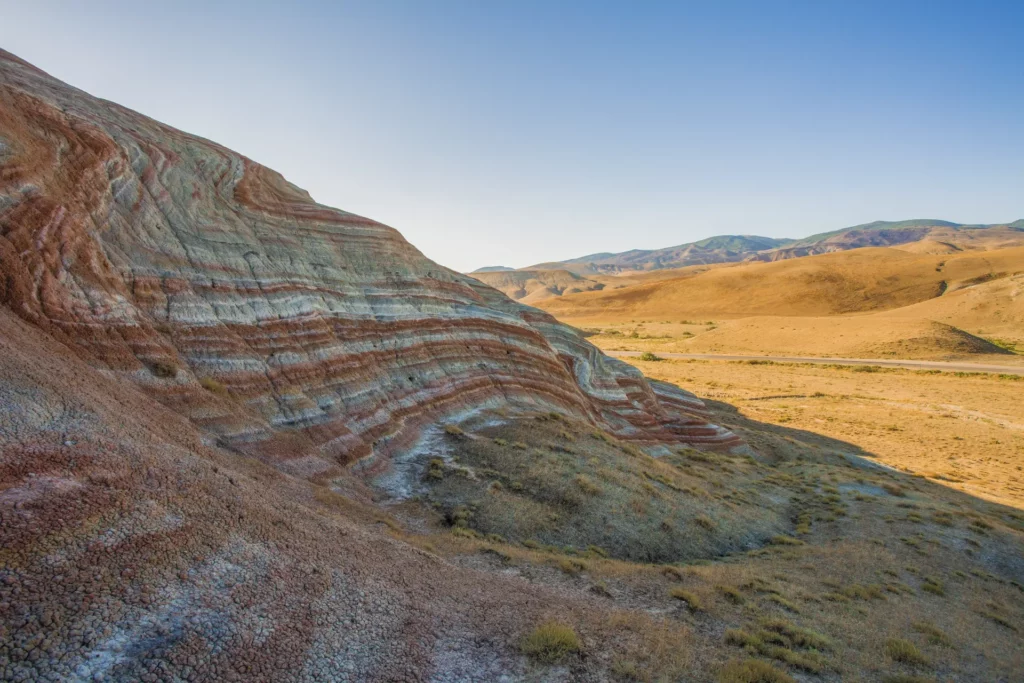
691	600
213	386
753	671
905	652
936	636
731	593
550	642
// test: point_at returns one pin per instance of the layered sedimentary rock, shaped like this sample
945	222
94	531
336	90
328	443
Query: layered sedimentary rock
322	338
190	349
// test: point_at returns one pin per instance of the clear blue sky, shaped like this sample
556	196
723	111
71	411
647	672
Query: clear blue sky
517	132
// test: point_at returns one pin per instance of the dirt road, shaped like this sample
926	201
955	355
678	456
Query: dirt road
909	364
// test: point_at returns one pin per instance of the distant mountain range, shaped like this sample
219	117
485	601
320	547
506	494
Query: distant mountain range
733	248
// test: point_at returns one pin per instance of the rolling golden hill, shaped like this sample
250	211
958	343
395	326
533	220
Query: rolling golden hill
868	303
857	281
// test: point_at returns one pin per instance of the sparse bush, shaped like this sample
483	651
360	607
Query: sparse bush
691	600
650	357
753	671
164	370
905	652
550	642
933	586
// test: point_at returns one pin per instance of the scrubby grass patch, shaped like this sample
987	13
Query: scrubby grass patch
905	652
213	386
731	594
164	370
936	636
688	597
753	671
550	642
565	485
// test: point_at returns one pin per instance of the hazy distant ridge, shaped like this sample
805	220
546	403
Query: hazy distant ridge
734	248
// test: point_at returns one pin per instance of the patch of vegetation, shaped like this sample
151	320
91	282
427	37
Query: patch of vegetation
936	636
573	487
731	594
164	370
691	600
213	386
550	642
650	357
753	671
905	652
776	640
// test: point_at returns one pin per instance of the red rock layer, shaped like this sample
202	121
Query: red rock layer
335	340
131	550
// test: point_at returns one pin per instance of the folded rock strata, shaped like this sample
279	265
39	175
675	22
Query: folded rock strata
143	248
189	348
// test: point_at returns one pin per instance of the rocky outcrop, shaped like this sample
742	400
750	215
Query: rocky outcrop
308	336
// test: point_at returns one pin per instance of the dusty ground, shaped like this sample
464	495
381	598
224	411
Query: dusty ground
966	432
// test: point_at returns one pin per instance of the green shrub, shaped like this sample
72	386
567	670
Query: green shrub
550	642
650	357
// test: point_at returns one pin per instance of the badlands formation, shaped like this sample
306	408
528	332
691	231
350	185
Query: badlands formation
247	437
185	338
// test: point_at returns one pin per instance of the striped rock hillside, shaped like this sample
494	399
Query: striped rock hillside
305	335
